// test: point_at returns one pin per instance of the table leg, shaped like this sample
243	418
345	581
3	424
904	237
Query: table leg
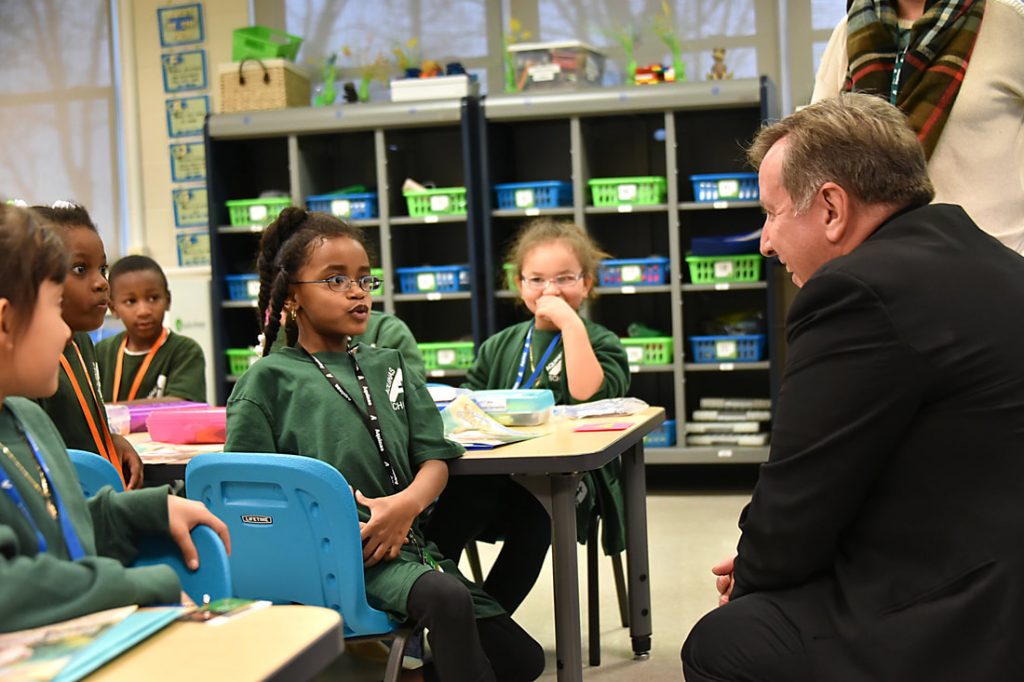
637	566
568	647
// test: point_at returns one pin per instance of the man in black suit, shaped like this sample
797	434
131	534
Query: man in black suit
885	537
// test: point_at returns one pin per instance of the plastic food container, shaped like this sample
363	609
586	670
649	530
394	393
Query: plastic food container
140	412
202	425
119	418
522	407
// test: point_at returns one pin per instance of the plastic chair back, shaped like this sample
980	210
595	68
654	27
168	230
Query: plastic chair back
213	577
294	532
94	472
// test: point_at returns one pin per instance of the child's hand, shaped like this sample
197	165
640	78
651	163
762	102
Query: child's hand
184	515
131	463
555	310
384	534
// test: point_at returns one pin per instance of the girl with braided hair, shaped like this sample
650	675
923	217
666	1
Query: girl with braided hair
359	409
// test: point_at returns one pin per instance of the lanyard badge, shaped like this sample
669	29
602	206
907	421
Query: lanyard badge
527	346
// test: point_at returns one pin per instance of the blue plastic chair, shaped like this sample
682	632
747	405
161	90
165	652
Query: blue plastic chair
213	577
294	537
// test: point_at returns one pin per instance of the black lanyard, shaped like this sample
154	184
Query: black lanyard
370	418
372	423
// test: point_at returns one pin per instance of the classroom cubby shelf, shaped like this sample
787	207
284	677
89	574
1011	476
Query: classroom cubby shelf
671	130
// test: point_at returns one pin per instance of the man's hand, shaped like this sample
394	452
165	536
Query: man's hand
724	582
184	515
131	463
384	534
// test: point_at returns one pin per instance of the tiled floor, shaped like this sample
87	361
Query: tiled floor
692	514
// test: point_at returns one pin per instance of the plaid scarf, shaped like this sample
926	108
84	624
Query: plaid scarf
941	42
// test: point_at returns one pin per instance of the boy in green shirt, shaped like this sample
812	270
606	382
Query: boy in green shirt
147	361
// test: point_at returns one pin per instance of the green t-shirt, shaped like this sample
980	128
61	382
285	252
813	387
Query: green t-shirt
497	363
63	406
383	330
39	589
179	361
496	367
284	404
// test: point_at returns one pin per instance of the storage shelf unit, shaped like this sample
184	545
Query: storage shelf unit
670	130
312	151
666	130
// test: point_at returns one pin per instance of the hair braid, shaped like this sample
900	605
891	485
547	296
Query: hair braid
277	297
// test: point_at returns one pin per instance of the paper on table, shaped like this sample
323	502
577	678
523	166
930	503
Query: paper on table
466	424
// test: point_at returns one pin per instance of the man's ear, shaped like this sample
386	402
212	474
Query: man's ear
835	202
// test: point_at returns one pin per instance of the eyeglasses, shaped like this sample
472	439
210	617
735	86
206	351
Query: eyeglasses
562	281
342	283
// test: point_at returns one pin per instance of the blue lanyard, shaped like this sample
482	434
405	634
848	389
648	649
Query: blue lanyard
526	354
74	545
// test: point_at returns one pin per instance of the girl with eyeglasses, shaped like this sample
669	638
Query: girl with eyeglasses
359	409
580	361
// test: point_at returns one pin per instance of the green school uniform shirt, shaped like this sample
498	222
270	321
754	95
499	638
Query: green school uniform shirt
284	404
63	406
496	367
180	361
383	330
42	588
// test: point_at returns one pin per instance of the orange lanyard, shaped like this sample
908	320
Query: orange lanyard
104	446
142	370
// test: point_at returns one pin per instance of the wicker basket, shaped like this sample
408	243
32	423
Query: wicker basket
259	85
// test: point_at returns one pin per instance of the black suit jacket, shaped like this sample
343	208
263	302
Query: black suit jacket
889	518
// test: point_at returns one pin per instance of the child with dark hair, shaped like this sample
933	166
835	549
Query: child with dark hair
360	409
147	361
77	406
578	360
63	556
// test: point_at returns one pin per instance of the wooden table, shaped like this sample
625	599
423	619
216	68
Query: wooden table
275	643
551	467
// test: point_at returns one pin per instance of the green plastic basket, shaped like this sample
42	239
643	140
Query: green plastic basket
722	269
447	355
437	201
256	211
379	273
652	350
239	360
639	190
511	276
260	42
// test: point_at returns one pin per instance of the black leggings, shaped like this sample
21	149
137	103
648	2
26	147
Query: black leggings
494	507
464	648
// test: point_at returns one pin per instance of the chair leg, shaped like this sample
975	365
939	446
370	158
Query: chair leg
620	589
474	562
593	596
394	668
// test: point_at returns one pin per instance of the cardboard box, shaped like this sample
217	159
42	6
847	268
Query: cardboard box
438	87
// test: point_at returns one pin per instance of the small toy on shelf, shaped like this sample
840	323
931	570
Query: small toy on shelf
407	58
652	74
719	71
326	93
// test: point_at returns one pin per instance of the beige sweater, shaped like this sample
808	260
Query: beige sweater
979	159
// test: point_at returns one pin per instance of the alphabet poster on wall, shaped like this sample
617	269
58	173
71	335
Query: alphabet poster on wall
180	25
184	70
190	208
188	162
186	115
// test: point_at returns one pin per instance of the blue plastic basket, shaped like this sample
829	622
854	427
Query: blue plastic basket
547	194
641	272
431	279
739	348
662	437
242	287
725	186
350	206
